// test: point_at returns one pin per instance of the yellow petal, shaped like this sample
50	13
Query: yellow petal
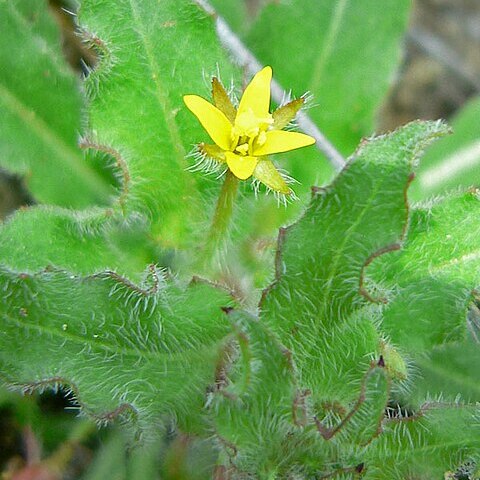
257	94
266	172
242	166
281	141
212	119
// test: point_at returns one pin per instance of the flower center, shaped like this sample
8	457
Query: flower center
249	131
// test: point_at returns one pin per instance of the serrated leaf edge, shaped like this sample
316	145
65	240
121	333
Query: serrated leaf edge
316	191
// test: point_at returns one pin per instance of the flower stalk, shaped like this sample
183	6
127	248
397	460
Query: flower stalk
222	216
244	136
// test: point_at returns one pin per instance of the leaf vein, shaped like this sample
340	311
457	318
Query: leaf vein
160	95
69	336
332	34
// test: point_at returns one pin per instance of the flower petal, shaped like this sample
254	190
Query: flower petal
212	119
266	172
257	94
242	166
281	141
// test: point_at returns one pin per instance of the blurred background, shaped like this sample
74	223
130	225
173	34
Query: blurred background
439	77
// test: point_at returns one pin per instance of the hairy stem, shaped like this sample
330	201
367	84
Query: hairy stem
222	216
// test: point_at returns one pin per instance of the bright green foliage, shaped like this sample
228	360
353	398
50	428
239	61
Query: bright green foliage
147	352
136	105
449	371
315	308
300	387
336	46
442	438
40	111
79	242
441	258
368	412
362	214
263	385
259	385
40	124
455	160
236	12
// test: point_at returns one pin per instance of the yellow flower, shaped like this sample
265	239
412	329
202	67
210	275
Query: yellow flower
245	136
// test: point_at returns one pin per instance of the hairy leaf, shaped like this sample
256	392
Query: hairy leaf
314	304
136	105
363	422
40	104
255	382
432	278
147	352
438	440
79	242
449	371
322	324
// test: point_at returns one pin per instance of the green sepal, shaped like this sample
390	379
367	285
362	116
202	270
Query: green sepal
212	151
222	100
283	115
266	173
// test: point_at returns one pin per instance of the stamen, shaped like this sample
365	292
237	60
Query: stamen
242	149
262	138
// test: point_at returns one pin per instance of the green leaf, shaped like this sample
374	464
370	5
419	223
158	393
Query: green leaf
93	241
147	352
432	278
455	160
314	305
449	371
79	242
136	106
40	104
437	440
320	323
258	384
347	82
367	414
236	12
